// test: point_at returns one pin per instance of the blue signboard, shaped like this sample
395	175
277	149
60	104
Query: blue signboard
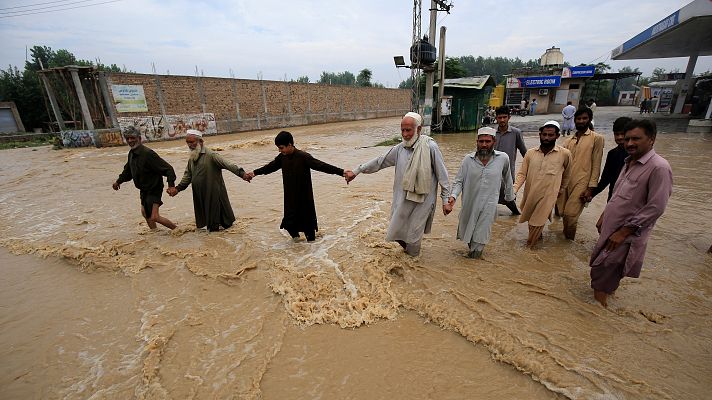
540	81
583	72
662	26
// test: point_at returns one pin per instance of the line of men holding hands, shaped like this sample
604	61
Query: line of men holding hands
562	177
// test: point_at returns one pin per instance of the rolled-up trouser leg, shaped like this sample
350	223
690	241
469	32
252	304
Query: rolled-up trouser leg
607	276
413	249
534	234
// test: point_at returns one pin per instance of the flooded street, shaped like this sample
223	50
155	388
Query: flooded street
95	305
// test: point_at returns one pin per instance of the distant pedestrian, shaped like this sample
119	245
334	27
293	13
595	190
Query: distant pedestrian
568	114
641	195
644	106
532	108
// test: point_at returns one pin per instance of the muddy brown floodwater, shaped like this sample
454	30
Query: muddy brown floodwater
95	305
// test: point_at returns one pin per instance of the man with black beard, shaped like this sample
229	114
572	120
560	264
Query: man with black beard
204	172
586	148
614	160
147	170
546	171
479	179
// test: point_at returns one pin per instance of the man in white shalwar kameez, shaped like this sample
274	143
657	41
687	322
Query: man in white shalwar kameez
479	180
568	114
420	169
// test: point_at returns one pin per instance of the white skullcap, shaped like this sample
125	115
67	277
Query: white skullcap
486	130
418	119
194	132
551	123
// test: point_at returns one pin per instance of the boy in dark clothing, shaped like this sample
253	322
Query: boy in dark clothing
147	170
296	166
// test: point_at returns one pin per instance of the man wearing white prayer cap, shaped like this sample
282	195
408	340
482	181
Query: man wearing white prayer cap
204	172
546	170
420	169
479	179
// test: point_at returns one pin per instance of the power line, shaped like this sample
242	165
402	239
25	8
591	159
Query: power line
32	5
58	9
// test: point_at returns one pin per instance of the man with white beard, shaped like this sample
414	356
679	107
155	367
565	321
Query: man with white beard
147	170
204	172
419	170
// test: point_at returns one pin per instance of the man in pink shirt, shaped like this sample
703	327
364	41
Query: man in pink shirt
639	199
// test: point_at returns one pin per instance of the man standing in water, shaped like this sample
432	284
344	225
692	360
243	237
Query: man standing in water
568	114
586	148
147	170
614	160
545	169
204	172
296	166
641	195
481	175
420	169
508	140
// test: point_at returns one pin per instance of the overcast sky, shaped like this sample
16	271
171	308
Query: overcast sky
292	38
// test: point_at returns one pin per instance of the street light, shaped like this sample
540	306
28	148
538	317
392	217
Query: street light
400	62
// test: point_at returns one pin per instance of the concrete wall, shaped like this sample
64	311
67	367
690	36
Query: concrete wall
241	105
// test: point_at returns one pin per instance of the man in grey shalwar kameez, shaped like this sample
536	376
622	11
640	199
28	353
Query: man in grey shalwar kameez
419	170
204	172
479	179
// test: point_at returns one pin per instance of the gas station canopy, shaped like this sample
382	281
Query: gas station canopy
684	33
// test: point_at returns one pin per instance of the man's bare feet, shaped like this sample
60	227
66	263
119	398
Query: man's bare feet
601	297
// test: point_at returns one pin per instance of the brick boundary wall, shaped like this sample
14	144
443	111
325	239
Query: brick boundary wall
243	105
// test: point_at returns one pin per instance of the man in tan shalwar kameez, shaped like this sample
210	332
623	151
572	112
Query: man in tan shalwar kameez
586	148
546	171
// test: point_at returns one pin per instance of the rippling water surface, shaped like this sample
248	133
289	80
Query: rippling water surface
95	305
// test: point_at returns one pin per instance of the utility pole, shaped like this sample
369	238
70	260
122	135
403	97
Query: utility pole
435	6
430	74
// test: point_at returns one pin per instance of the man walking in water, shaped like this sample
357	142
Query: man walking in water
481	175
586	149
420	169
508	140
147	170
211	204
640	197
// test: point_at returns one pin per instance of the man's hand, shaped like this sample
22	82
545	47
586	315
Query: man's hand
349	176
599	223
116	185
447	208
172	191
618	237
247	176
587	195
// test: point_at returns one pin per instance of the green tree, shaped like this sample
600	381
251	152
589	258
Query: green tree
340	78
26	90
301	79
364	77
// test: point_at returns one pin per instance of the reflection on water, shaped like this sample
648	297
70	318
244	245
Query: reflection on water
247	313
